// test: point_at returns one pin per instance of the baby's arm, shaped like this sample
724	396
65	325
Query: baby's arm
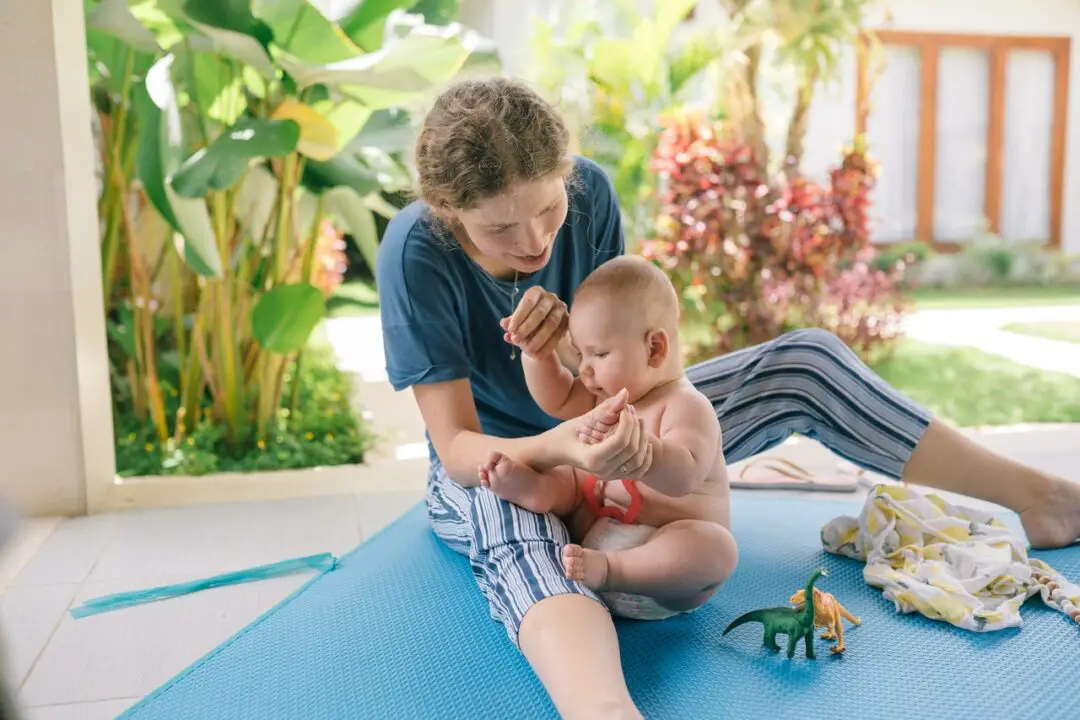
555	389
687	447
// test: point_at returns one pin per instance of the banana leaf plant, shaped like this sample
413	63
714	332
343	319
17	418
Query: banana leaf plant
231	133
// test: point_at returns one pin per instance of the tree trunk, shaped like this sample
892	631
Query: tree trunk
800	121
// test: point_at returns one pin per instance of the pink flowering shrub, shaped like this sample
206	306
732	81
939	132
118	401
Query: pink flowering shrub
753	257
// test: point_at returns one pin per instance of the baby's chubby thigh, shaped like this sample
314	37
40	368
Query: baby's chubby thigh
702	553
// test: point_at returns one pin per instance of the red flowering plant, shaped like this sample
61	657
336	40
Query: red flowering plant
753	257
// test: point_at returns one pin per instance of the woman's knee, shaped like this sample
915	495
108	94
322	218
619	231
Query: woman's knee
816	337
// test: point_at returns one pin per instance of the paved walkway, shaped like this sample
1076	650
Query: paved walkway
982	329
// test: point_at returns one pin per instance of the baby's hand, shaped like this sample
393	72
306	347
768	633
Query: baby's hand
597	427
538	324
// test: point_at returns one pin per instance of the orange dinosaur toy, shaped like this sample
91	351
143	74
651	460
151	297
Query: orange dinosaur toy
827	614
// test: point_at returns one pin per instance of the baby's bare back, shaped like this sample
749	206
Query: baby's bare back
710	500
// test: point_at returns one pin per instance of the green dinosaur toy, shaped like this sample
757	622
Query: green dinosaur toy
796	624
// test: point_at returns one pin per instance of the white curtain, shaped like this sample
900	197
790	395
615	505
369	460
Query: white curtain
892	134
962	122
1029	114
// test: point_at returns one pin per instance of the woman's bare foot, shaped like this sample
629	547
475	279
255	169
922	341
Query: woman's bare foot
1053	519
588	567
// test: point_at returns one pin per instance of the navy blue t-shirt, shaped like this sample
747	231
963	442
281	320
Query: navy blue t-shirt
441	311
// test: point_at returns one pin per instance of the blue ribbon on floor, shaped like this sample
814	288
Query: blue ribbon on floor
324	562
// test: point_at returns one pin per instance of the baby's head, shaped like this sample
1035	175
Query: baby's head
624	322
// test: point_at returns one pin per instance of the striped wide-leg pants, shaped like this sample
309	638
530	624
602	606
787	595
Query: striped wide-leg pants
805	382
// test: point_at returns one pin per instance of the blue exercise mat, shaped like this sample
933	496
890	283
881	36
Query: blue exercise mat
399	630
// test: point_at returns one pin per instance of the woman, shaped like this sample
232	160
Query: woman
508	223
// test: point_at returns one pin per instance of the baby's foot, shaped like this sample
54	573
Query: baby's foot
515	483
588	567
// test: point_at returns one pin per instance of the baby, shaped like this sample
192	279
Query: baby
671	550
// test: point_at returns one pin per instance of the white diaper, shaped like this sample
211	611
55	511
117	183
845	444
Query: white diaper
609	535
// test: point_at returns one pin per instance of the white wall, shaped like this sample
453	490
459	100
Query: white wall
55	412
1005	17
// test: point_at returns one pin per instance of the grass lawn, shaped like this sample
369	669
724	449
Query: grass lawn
970	388
1051	330
930	298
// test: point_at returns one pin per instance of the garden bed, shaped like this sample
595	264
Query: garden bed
324	431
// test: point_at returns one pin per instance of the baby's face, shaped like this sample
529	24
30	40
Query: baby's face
612	348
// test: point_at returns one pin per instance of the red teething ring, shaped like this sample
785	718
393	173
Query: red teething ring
599	510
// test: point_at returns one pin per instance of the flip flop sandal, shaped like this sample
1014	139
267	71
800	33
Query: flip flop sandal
786	475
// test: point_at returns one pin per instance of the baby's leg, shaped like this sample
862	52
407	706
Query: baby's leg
554	492
680	566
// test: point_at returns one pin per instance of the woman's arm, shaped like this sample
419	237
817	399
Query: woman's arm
450	416
454	427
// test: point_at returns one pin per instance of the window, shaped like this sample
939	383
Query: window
970	134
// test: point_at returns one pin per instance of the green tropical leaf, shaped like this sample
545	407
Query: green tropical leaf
438	12
215	83
344	170
161	151
114	18
379	205
356	217
221	164
107	56
234	30
284	318
154	156
164	19
391	174
348	117
366	22
255	200
415	58
302	30
388	129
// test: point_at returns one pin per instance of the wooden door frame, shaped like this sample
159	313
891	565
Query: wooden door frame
929	45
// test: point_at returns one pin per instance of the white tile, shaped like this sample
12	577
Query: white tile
30	535
28	616
194	542
69	554
104	710
132	651
377	510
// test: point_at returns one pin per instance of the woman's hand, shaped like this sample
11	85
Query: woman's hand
624	453
538	324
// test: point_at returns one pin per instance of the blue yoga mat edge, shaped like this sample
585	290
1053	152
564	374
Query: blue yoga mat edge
221	647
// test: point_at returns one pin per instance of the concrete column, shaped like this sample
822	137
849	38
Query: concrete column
56	452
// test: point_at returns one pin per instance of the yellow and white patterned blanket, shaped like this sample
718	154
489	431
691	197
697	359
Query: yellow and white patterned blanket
948	562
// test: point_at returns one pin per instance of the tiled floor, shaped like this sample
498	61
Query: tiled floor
98	666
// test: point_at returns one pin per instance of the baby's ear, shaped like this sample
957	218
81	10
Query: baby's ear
659	344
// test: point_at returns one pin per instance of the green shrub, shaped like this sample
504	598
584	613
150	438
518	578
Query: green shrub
323	431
